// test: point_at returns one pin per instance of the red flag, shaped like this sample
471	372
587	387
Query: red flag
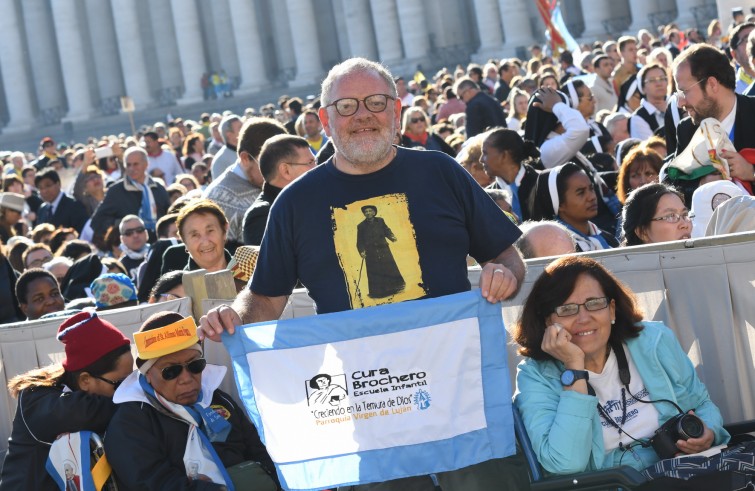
546	7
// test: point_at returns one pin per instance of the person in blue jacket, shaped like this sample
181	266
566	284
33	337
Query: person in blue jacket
597	381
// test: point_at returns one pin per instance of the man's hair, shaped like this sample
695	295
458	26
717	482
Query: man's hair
132	150
164	223
255	132
611	121
505	66
226	126
735	39
353	66
465	83
706	61
276	150
152	135
128	218
167	282
48	173
526	247
566	57
295	104
32	248
22	285
624	41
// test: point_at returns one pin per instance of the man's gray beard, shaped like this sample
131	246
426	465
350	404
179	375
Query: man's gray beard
363	155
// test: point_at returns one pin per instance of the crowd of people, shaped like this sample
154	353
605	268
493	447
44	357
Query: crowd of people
636	141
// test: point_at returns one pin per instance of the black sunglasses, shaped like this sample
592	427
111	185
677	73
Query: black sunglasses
114	383
194	366
132	231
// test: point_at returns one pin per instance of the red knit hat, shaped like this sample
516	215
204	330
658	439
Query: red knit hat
88	338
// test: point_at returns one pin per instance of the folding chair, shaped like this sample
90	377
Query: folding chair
101	470
623	477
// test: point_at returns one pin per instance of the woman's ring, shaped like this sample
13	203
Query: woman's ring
497	271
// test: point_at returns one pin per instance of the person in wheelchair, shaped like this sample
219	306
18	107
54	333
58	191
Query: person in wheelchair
67	397
174	429
597	381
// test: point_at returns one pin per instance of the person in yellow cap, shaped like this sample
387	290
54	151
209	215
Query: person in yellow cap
174	429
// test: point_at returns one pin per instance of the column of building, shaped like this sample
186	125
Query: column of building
43	56
248	46
384	14
75	66
517	30
411	18
488	18
18	87
132	52
305	41
190	49
105	55
359	29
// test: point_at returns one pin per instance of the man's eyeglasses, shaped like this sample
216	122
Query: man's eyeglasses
131	231
673	218
173	371
682	93
311	163
375	103
591	305
170	296
114	383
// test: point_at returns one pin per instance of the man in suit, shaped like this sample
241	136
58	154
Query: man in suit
58	209
483	111
706	84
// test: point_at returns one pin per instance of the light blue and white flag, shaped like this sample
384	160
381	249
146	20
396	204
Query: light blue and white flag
378	393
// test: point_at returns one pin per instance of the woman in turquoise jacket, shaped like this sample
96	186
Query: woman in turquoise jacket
583	407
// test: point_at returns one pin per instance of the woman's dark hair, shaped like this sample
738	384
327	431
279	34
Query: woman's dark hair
59	236
543	205
506	140
105	364
76	249
555	285
113	263
167	282
640	155
10	180
313	380
15	255
639	210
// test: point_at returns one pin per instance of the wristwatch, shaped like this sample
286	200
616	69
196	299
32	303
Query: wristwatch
568	377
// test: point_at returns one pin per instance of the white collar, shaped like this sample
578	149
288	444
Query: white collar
728	122
649	107
56	202
517	179
131	391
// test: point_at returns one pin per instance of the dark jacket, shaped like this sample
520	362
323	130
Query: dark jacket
9	309
146	446
483	112
42	414
152	270
434	142
255	218
69	213
123	198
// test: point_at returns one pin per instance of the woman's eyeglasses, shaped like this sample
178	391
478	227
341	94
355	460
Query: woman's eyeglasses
173	371
591	305
673	218
114	383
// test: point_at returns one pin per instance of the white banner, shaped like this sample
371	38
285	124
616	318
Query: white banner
370	393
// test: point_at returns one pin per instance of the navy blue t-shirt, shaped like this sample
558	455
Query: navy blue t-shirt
397	234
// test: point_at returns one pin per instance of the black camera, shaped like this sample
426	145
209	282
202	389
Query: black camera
680	427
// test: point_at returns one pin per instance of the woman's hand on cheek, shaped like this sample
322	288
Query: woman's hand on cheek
557	343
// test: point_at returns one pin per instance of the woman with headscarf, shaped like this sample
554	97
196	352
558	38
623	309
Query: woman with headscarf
630	97
67	397
566	194
561	132
582	100
174	429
